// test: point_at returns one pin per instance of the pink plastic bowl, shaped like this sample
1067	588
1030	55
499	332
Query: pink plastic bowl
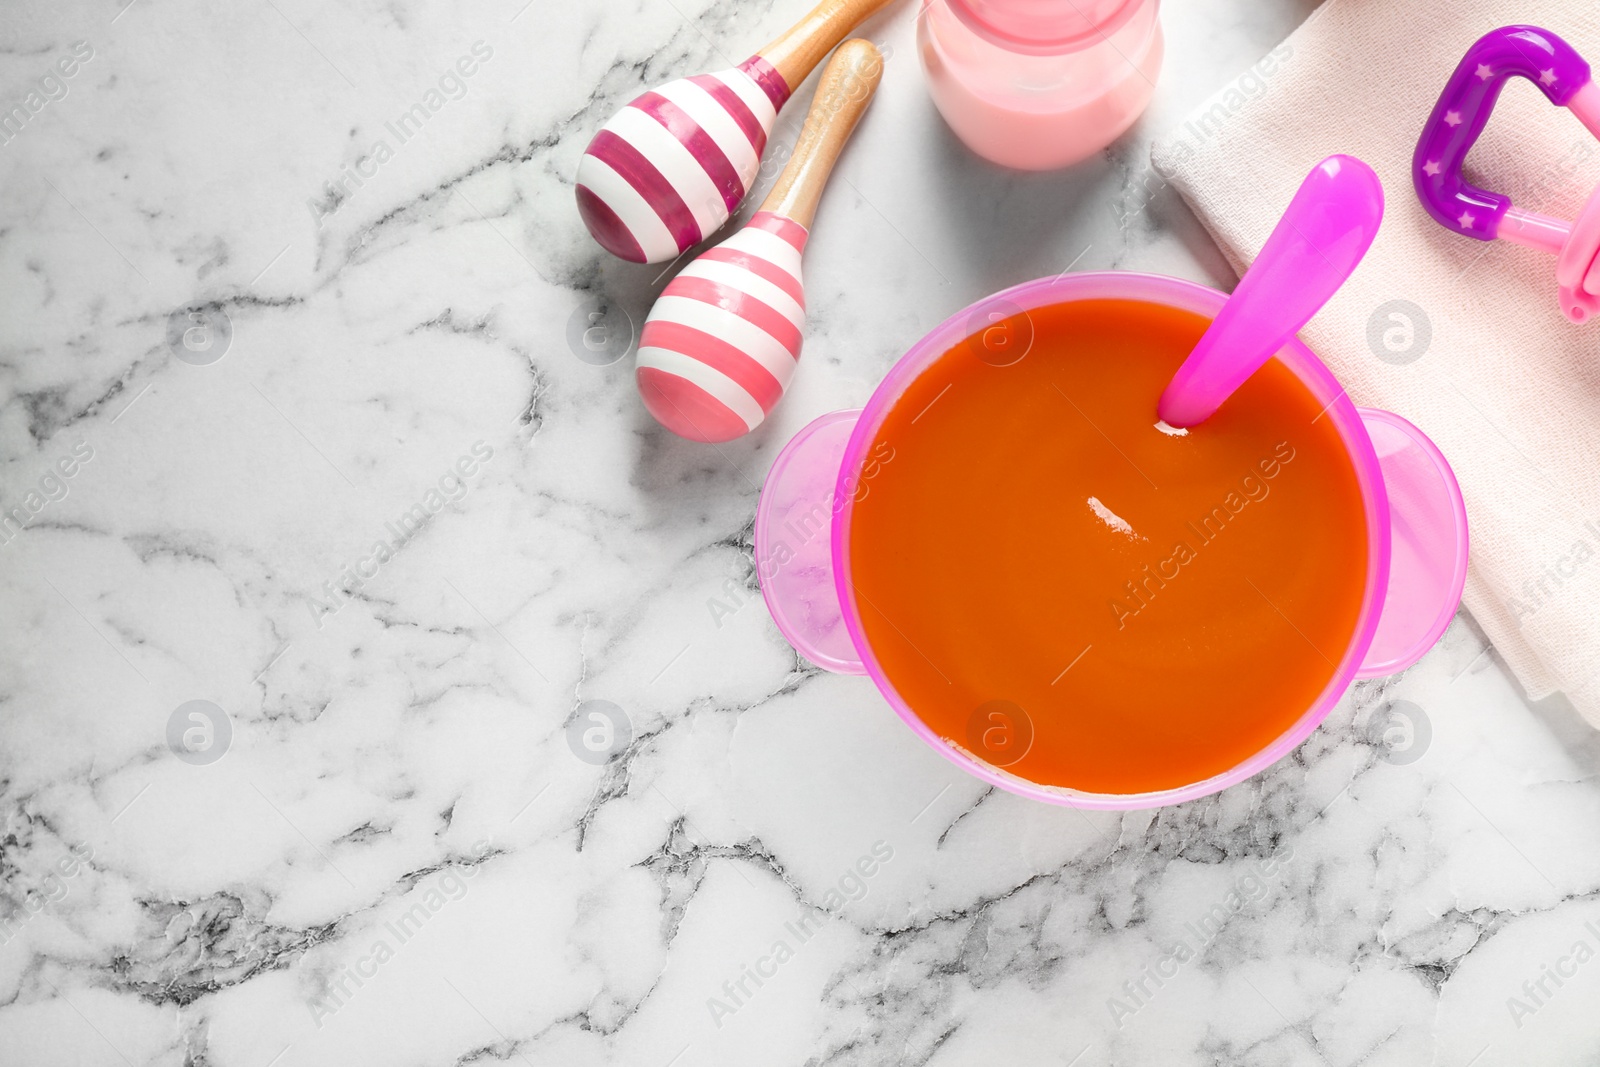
1416	527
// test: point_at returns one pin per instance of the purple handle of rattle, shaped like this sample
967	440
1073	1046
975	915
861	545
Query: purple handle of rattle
1463	110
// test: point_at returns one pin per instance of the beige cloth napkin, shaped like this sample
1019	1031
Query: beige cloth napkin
1462	337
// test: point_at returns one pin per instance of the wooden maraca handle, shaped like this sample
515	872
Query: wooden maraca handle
801	47
843	93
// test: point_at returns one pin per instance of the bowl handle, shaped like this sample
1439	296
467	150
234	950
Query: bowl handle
1427	540
794	543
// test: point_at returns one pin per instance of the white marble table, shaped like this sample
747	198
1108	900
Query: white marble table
387	851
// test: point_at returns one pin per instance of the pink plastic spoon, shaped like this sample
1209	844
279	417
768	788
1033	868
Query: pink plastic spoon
1317	244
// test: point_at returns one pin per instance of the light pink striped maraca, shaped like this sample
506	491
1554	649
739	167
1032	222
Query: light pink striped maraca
721	342
670	168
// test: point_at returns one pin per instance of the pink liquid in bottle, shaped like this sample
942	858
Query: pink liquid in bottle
1040	84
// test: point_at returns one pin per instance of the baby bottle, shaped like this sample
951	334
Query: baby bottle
1039	84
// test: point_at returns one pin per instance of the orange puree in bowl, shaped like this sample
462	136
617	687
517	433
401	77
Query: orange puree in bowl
1060	586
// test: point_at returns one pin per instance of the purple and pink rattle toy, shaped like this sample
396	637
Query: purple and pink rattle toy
1460	116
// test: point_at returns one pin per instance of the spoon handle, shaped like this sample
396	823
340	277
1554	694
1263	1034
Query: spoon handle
1314	248
797	50
845	89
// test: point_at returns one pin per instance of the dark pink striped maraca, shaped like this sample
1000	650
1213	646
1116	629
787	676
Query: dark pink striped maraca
670	168
721	342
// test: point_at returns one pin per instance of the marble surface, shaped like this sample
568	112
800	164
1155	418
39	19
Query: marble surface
338	474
